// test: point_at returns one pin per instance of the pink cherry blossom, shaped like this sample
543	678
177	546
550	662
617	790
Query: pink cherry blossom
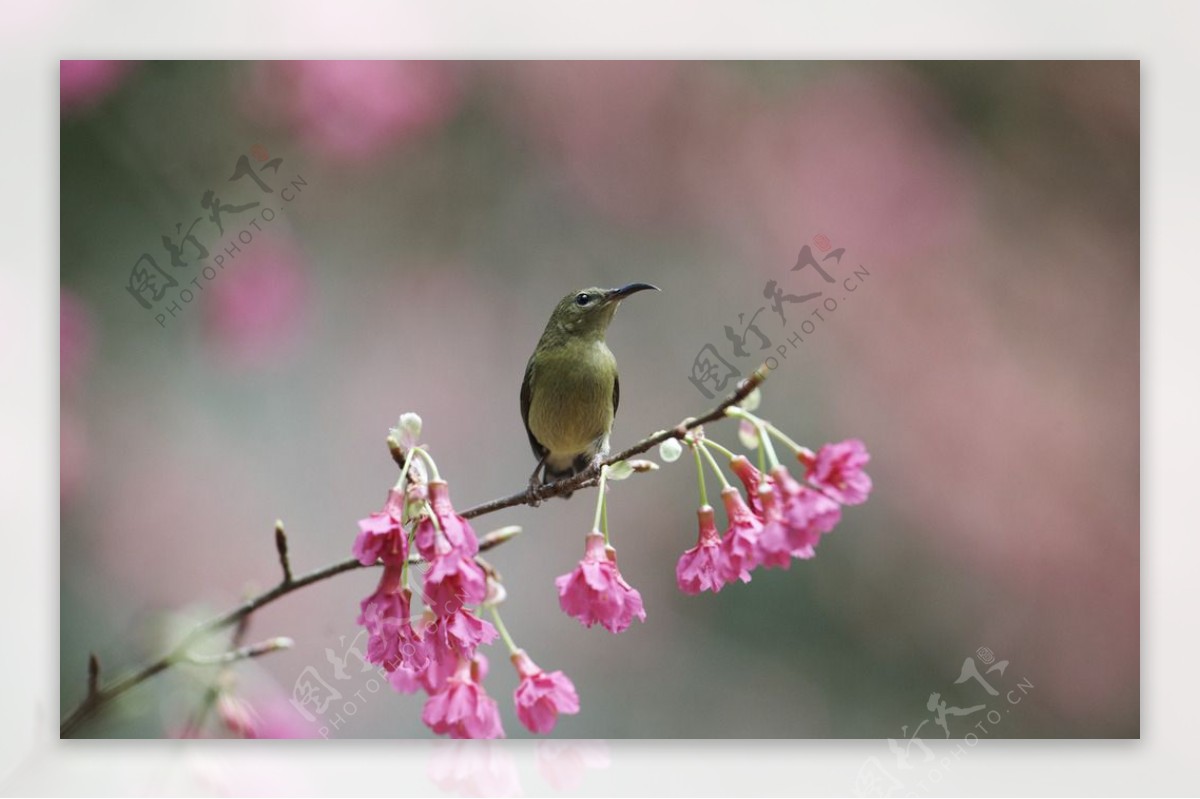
462	709
540	697
774	544
387	617
700	568
454	579
445	524
806	513
419	667
594	591
406	681
457	636
751	478
740	543
381	535
837	469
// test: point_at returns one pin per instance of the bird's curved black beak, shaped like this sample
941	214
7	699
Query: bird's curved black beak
612	295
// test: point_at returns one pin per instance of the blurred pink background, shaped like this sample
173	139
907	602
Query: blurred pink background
990	362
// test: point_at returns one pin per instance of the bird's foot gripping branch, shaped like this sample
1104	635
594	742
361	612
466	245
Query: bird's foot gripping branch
437	604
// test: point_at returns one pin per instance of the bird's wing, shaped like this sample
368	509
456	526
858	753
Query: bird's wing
616	392
539	451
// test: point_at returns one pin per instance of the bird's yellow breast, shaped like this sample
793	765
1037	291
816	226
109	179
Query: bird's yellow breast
571	392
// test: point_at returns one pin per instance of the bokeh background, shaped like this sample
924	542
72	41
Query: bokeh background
990	363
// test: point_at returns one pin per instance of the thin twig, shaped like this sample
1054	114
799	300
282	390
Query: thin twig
239	632
99	696
93	681
109	692
213	692
241	653
281	546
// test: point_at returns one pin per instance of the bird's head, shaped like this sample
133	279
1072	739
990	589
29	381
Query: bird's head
588	311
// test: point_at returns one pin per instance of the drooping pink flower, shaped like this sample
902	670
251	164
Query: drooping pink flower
700	568
382	617
740	543
837	469
406	681
750	477
381	535
774	543
457	636
83	84
446	524
386	615
454	579
422	669
540	697
462	709
594	591
807	514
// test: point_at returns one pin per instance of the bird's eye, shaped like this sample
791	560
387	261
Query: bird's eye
583	299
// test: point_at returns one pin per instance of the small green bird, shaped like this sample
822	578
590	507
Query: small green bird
570	393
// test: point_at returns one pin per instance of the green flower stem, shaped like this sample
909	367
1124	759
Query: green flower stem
764	437
412	534
726	452
799	449
508	641
399	487
404	472
604	519
713	463
425	456
699	471
600	504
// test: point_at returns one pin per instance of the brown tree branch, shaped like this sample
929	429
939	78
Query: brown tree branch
98	696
